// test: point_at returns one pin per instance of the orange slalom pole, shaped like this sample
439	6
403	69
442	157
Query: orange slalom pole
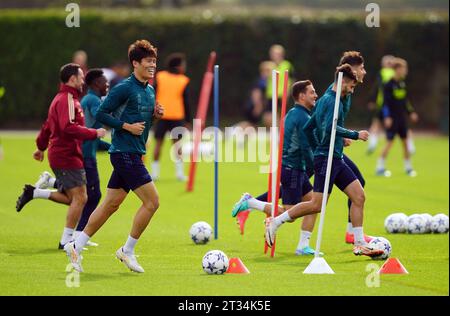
202	110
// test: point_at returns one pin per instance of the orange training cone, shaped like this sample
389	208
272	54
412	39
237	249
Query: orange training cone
235	265
392	266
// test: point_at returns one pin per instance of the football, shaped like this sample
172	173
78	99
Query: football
428	221
439	224
416	224
215	262
200	232
381	243
396	223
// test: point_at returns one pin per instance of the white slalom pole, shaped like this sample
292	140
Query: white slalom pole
274	139
319	265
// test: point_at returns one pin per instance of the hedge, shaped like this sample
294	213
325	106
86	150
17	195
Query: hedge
33	46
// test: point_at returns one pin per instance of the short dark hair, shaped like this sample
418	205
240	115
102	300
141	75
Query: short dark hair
141	49
300	87
353	58
347	72
175	60
92	75
68	71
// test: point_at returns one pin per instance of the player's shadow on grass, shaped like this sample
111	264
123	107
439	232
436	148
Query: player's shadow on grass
31	252
94	277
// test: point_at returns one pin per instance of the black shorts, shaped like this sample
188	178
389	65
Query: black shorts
295	184
69	178
399	127
341	174
164	126
129	172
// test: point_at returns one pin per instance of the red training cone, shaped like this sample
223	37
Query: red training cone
392	266
235	265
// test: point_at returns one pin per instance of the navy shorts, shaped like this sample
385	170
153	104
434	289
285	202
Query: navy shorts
164	126
129	172
295	184
400	127
341	174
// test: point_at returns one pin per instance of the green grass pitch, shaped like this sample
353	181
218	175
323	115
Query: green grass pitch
31	265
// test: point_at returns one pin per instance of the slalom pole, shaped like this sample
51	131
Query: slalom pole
202	110
216	151
273	148
280	151
318	265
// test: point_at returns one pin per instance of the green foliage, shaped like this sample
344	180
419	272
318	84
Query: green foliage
34	44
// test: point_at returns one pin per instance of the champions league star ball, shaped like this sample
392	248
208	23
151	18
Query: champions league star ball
200	232
428	220
381	243
215	262
439	224
396	223
416	224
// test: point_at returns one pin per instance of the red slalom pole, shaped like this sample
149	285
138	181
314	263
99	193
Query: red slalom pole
202	110
280	147
274	106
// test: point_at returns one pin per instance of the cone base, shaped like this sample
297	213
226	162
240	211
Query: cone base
393	266
235	265
318	266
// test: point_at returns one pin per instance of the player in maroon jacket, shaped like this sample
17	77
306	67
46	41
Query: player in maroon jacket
63	134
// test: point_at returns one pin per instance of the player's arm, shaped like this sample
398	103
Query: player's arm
309	128
412	112
387	110
187	106
67	121
340	130
42	141
116	97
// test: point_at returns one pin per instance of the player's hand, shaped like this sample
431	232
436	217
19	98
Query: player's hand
136	128
388	122
347	142
101	132
159	111
363	135
414	117
38	155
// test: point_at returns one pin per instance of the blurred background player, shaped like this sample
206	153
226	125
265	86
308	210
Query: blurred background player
116	73
172	90
396	110
63	133
376	103
256	102
297	159
80	57
277	55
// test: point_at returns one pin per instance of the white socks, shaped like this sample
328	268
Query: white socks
179	169
81	241
408	165
67	235
380	164
282	219
410	145
155	170
128	248
350	228
359	236
41	194
373	141
256	204
51	182
305	236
